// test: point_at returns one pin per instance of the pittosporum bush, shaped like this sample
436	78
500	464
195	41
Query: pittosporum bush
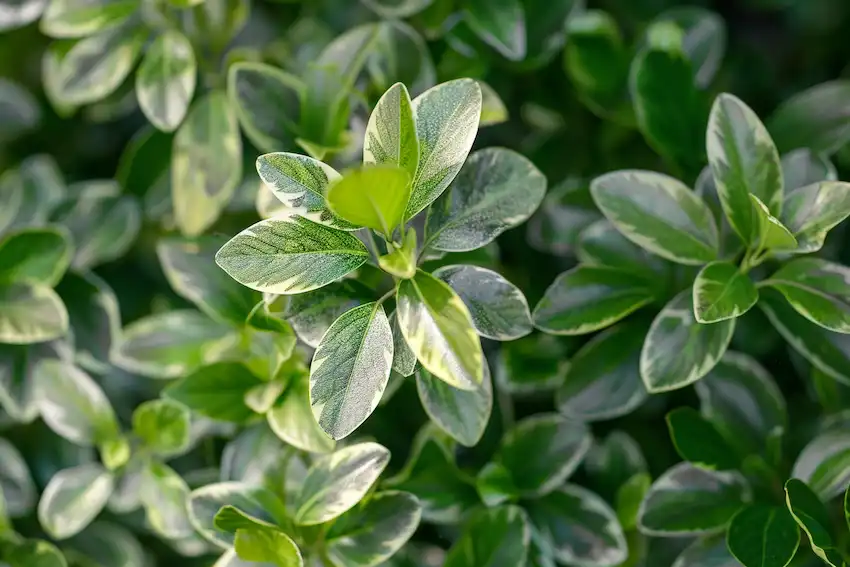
332	362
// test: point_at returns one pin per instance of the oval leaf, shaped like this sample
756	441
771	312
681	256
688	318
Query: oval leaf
292	419
499	537
391	132
763	536
818	290
256	503
267	102
810	212
165	81
811	515
373	196
35	255
30	314
73	498
721	291
463	414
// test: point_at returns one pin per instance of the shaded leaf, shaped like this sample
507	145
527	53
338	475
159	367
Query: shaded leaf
462	414
216	391
267	102
763	536
498	537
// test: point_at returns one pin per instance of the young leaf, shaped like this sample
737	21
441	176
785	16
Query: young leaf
542	451
373	196
763	536
482	202
216	391
463	414
744	161
18	493
678	350
30	314
589	298
401	260
438	328
446	119
722	292
658	213
35	255
350	369
710	497
290	254
391	132
267	546
165	81
629	496
374	531
498	308
162	425
73	498
499	537
336	483
770	234
603	379
404	360
501	25
292	419
811	515
257	503
698	442
206	163
824	463
810	212
818	290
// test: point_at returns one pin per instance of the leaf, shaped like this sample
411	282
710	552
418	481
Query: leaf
817	290
497	537
771	234
446	118
698	442
350	369
267	102
482	202
94	316
567	210
744	161
80	18
404	361
803	167
495	485
824	463
542	451
35	255
188	265
809	513
372	532
164	494
73	498
629	496
462	414
763	536
17	381
206	163
588	298
397	8
600	244
500	25
267	546
810	212
292	419
257	503
493	109
162	425
18	492
391	133
336	482
704	40
19	14
710	497
312	313
721	292
216	391
30	314
579	527
373	196
438	328
400	54
498	308
35	553
165	81
603	379
813	118
659	214
711	550
290	254
532	364
73	405
401	259
678	350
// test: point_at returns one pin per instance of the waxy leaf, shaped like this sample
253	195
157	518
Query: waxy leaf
500	24
824	463
35	255
373	196
258	504
438	328
678	350
80	18
658	213
292	419
350	369
391	132
589	298
446	119
810	212
769	233
744	161
721	291
463	414
498	537
803	167
267	102
73	498
498	308
814	118
290	254
698	442
811	515
165	81
818	290
496	189
272	546
763	536
30	314
216	391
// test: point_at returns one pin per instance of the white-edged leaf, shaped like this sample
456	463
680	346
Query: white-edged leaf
94	316
73	498
165	81
818	290
721	291
498	537
824	464
463	414
391	132
80	18
291	419
30	314
17	488
810	212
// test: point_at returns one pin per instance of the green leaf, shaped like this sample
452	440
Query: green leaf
397	8
824	463
763	536
745	162
438	328
493	109
771	234
188	265
404	361
678	350
30	314
462	414
34	553
482	202
80	18
289	255
818	290
814	118
267	546
73	404
721	291
498	537
710	497
579	527
165	81
803	167
601	244
373	196
400	54
216	391
35	255
589	298
498	308
162	425
501	25
18	492
810	212
350	369
73	498
446	119
658	213
391	132
372	532
567	210
164	494
495	484
703	42
698	442
542	451
94	317
532	364
603	379
206	163
17	376
401	260
255	502
231	519
312	313
629	496
337	482
292	419
811	515
707	551
267	102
